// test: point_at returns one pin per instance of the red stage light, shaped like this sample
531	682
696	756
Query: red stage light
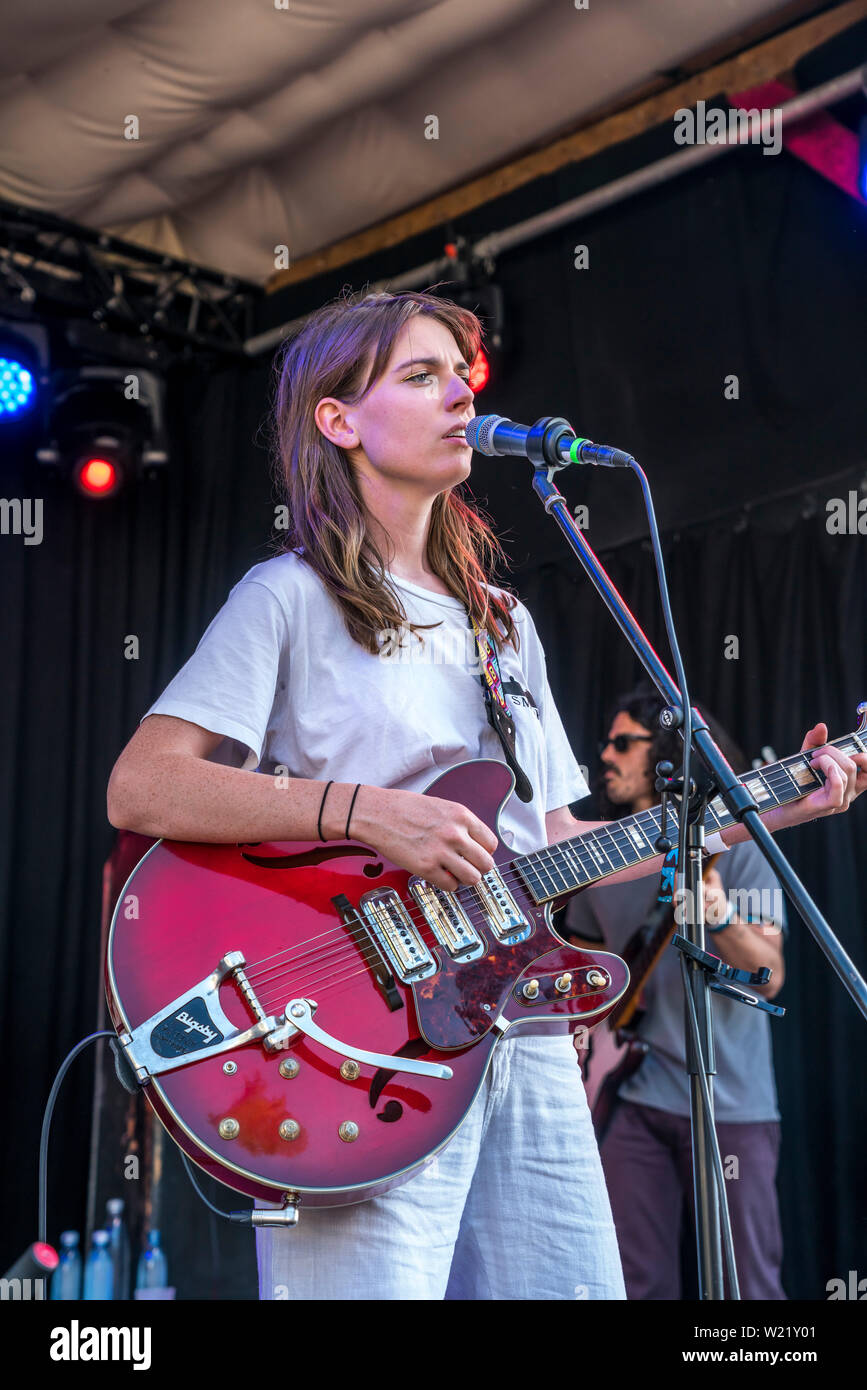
98	477
480	372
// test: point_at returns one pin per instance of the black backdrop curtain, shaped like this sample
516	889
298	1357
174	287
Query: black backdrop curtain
636	349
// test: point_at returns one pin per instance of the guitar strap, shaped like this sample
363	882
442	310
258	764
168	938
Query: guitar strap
667	876
499	714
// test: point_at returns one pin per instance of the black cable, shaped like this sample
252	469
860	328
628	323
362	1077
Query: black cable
239	1218
242	1218
678	665
46	1127
709	1128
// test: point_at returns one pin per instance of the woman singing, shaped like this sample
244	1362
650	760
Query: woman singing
349	662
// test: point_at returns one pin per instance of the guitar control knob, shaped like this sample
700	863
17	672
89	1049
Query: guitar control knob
597	978
348	1131
563	984
531	989
289	1129
229	1128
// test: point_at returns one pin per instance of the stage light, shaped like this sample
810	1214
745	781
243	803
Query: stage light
24	368
17	387
480	372
106	428
484	299
862	158
97	477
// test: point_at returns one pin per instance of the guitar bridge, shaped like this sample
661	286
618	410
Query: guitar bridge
194	1025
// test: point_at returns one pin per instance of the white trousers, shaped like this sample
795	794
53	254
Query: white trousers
514	1208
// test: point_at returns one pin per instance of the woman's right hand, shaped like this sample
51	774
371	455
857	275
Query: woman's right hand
441	841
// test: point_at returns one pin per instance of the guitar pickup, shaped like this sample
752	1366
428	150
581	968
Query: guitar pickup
396	936
507	923
447	920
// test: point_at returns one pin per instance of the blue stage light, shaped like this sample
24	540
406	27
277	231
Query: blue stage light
862	157
17	388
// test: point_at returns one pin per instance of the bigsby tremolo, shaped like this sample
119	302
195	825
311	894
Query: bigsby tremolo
194	1026
299	1016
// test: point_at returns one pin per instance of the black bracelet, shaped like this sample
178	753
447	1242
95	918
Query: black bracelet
351	804
321	807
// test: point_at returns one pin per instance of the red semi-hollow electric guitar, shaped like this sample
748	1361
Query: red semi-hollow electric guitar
311	1023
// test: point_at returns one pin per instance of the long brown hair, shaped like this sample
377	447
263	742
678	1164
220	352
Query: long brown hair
342	350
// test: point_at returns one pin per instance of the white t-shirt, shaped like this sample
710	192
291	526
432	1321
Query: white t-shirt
277	673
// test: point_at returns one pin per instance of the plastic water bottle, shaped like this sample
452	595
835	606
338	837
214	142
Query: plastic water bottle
98	1280
66	1279
152	1268
118	1244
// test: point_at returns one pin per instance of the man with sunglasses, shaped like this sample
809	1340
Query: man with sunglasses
646	1150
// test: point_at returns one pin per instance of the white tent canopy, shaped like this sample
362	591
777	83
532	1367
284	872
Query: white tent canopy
218	130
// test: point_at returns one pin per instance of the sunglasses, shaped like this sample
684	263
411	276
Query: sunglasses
621	742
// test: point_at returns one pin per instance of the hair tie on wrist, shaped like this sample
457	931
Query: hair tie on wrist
351	804
321	808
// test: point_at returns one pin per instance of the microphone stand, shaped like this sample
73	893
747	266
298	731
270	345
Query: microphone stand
542	450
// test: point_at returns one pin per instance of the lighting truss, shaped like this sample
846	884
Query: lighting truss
57	267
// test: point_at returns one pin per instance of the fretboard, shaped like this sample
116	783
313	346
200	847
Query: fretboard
596	854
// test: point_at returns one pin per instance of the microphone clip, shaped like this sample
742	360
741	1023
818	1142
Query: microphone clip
544	441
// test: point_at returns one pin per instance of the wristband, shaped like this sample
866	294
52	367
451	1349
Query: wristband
715	844
351	804
321	807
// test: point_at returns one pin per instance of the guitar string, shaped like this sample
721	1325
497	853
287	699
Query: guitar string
320	982
328	983
369	956
319	986
367	952
346	956
325	983
269	978
333	980
363	945
336	984
471	905
361	931
474	905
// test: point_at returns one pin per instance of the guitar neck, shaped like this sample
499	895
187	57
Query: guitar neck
570	864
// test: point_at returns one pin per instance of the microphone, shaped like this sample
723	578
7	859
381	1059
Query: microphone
551	441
